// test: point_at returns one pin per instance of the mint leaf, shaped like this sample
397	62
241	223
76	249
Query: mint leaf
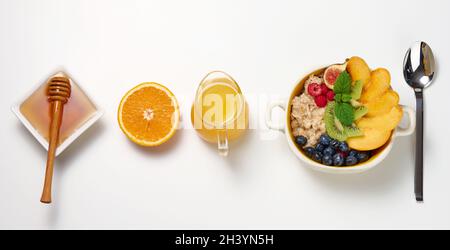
357	89
343	84
338	97
346	97
344	113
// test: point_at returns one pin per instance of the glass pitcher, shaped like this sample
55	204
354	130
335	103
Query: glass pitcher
219	113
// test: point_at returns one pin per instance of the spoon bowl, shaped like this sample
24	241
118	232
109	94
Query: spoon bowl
419	66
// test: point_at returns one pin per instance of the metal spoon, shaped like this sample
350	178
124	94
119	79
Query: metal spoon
419	70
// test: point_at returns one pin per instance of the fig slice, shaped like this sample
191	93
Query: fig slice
331	74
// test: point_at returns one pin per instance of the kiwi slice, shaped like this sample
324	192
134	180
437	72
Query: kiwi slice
356	90
355	103
353	131
360	112
338	124
332	128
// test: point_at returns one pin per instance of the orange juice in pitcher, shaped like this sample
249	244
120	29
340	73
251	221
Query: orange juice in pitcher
220	112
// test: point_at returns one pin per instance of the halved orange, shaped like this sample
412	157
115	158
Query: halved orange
149	114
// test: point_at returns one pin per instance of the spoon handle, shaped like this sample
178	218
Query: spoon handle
418	184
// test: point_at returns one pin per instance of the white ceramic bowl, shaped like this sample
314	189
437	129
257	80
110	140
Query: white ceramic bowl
376	159
77	133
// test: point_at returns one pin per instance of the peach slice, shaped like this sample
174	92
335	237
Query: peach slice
358	70
372	139
384	122
380	82
383	104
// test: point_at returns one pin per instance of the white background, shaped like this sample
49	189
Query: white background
103	181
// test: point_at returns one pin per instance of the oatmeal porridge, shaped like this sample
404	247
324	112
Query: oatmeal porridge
307	117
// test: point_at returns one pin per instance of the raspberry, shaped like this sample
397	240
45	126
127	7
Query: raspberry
330	95
321	101
343	154
324	89
314	89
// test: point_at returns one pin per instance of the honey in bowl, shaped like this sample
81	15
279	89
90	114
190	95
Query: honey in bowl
77	111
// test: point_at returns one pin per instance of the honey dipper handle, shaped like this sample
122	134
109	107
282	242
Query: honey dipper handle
57	111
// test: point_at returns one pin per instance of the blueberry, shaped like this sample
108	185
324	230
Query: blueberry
301	140
317	156
327	160
343	147
325	140
320	147
362	156
310	151
353	153
338	160
329	151
351	160
335	144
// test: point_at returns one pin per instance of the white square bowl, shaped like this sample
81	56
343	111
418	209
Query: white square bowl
78	132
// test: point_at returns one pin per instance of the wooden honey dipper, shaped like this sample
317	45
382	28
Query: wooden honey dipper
58	92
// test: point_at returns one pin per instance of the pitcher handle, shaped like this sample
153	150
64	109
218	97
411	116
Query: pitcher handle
222	142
